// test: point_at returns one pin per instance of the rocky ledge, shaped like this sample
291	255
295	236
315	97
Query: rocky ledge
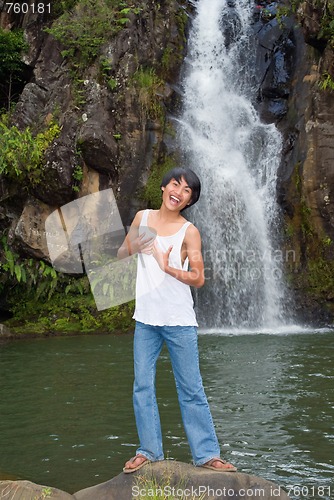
160	479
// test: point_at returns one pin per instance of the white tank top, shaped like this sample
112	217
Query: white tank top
161	299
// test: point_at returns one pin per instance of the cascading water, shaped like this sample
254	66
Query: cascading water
236	157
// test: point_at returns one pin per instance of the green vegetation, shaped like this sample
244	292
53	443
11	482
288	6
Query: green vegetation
12	46
61	6
44	301
34	277
85	29
150	488
45	493
327	21
326	17
326	82
77	177
69	314
105	71
22	152
182	21
152	191
313	271
166	59
306	225
321	276
149	87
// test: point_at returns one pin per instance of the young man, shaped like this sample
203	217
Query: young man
170	262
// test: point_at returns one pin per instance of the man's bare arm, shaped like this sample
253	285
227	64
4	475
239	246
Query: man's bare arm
133	243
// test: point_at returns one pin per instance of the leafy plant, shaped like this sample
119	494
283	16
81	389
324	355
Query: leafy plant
116	283
36	276
43	300
326	82
77	176
12	46
105	70
22	153
61	6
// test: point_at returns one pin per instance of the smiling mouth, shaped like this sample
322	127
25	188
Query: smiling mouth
174	199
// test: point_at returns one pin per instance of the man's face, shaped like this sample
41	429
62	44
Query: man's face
177	194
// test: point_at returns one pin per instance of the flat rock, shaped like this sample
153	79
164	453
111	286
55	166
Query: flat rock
184	481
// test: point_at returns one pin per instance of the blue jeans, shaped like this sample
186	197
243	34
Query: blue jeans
197	420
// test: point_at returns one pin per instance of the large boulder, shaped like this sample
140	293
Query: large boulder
25	490
30	228
182	480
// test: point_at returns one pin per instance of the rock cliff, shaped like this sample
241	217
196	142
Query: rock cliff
306	185
112	105
112	120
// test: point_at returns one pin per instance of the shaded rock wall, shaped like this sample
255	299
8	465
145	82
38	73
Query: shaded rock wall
292	60
106	133
306	186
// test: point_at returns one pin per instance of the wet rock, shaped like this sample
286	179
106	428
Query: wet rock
274	60
185	478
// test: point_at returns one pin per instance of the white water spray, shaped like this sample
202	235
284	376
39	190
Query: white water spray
236	156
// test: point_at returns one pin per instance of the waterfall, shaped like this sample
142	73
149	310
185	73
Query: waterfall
236	157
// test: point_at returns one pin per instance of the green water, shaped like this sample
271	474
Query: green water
66	415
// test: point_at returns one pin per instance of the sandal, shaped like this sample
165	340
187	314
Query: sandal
128	470
208	465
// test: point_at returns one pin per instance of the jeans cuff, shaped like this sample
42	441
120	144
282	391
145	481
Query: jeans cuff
205	460
149	456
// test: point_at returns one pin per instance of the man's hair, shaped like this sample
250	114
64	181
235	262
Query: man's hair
189	176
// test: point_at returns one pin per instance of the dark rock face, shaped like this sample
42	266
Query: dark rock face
274	61
103	129
291	61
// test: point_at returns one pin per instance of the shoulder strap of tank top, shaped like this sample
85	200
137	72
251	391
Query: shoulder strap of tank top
144	218
184	229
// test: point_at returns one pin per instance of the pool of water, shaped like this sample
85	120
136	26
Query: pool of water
66	417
